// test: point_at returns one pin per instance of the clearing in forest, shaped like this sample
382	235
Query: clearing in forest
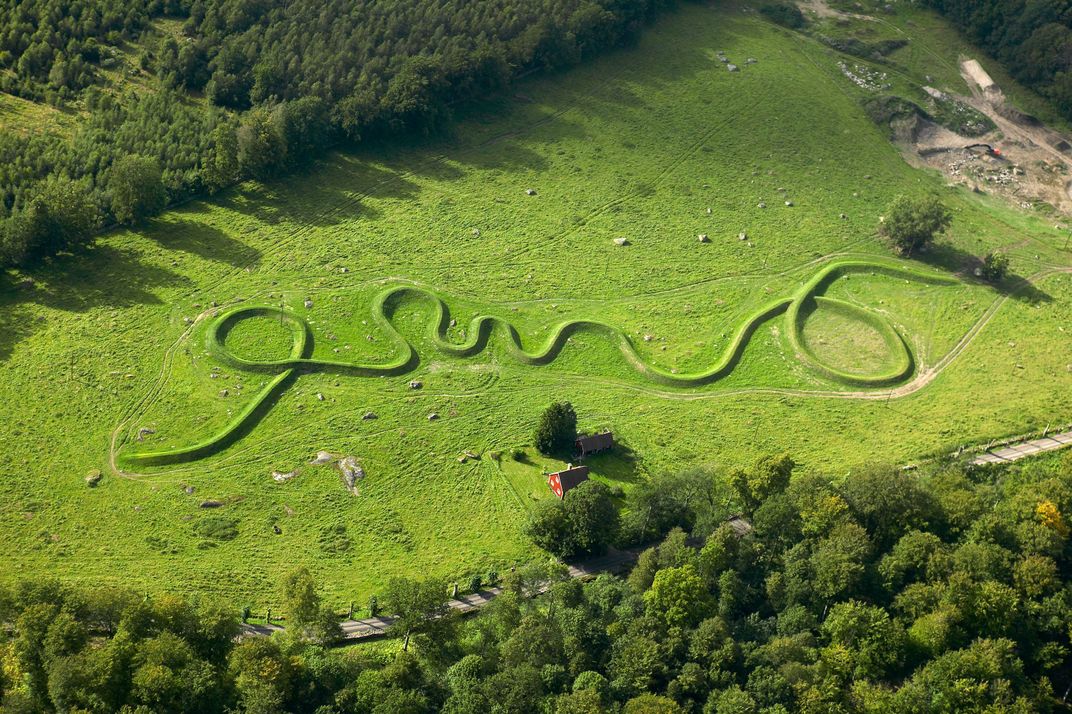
416	308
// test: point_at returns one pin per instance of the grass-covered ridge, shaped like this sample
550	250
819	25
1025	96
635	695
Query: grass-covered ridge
638	145
483	328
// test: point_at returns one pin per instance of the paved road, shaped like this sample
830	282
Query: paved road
1016	452
374	627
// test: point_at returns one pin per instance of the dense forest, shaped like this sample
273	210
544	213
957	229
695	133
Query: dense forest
1031	38
894	591
249	88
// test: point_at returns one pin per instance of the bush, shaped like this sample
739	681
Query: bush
995	267
217	528
557	431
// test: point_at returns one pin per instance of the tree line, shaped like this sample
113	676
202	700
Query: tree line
282	80
770	590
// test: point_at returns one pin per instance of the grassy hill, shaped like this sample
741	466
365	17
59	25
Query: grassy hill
657	144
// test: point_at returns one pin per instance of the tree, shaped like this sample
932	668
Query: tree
648	703
221	167
770	475
263	675
995	267
136	187
262	150
306	615
557	431
912	223
839	561
593	517
70	216
415	604
677	597
585	521
875	641
784	13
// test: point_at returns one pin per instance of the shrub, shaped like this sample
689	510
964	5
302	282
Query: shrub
995	267
217	528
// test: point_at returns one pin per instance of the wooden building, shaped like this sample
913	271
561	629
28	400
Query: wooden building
570	477
594	443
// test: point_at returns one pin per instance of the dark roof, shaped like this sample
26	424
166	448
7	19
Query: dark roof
571	477
595	442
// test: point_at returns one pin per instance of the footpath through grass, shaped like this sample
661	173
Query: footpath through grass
657	144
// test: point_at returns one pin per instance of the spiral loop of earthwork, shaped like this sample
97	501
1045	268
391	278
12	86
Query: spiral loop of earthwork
795	309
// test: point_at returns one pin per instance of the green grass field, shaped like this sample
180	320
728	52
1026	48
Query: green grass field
639	144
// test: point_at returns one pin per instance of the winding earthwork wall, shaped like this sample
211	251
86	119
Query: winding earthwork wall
482	328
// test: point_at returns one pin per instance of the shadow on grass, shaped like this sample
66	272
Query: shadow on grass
103	276
620	464
957	260
174	231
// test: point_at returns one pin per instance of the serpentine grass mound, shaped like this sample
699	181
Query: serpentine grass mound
483	328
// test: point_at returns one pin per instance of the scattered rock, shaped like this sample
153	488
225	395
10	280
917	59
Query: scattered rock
530	192
214	375
733	68
648	338
369	416
703	238
189	490
214	304
351	472
344	270
283	477
621	241
319	397
843	217
277	530
762	204
476	232
321	458
93	478
789	204
416	384
224	392
187	321
308	303
433	416
742	236
211	503
751	60
709	211
453	322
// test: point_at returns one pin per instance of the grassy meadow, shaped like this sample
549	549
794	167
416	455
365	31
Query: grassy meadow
657	144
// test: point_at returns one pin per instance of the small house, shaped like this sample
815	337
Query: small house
570	477
594	443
